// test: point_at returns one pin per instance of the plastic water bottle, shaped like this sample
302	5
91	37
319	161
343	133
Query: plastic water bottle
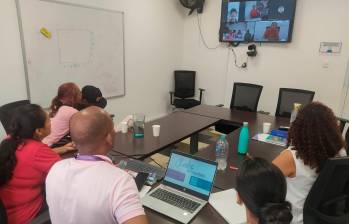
243	139
296	107
222	152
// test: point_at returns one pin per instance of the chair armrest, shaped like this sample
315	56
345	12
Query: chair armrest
220	105
201	90
43	218
342	122
171	97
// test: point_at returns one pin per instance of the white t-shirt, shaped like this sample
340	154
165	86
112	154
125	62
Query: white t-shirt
299	186
90	192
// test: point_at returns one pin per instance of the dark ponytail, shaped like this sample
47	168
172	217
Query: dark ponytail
262	188
25	120
275	213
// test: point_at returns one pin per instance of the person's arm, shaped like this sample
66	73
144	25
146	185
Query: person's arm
285	163
142	219
65	148
127	206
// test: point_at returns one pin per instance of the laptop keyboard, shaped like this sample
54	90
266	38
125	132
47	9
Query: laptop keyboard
175	200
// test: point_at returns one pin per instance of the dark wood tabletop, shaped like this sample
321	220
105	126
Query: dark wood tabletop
173	128
226	179
236	116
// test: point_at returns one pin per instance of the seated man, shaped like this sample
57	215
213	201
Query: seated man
89	188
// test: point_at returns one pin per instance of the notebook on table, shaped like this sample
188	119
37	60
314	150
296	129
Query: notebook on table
225	204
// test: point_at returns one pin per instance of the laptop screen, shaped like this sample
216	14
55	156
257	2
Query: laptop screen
191	174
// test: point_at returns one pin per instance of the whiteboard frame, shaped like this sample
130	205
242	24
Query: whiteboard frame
20	26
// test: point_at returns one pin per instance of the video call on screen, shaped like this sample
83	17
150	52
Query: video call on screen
257	21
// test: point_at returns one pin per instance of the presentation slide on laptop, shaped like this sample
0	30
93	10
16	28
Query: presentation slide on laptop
190	173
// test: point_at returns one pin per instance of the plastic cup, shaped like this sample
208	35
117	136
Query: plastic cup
124	127
156	130
138	125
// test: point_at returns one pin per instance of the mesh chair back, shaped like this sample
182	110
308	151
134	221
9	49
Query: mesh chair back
7	110
184	84
328	199
245	96
287	97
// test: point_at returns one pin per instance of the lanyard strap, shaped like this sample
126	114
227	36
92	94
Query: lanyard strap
89	158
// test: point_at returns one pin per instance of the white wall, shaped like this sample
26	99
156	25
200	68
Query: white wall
294	65
153	34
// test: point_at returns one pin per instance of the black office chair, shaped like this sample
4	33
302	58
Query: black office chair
7	110
346	137
287	97
245	97
342	122
3	214
43	218
328	199
185	90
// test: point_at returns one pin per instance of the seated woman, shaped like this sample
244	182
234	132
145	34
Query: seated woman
25	162
261	187
92	96
63	107
313	138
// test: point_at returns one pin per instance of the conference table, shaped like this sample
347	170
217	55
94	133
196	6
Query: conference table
174	128
188	123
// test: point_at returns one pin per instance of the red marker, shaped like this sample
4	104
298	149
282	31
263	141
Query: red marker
233	168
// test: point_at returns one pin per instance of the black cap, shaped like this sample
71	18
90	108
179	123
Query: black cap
93	96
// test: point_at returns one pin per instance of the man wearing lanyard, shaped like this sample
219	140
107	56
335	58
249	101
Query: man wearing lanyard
89	188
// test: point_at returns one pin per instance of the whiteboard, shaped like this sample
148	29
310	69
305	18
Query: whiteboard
85	45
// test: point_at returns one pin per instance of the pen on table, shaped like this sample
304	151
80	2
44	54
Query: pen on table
233	168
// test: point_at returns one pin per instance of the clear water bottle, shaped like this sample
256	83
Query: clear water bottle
222	152
296	107
243	139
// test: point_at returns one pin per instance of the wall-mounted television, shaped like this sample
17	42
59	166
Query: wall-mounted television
257	21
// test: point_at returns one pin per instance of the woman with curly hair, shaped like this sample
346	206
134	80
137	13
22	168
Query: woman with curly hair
313	138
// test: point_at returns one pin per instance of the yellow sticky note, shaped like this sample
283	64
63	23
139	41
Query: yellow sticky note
46	33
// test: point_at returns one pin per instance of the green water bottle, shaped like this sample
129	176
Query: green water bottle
243	139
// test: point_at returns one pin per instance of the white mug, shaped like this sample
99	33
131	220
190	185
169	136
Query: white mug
156	130
266	127
124	127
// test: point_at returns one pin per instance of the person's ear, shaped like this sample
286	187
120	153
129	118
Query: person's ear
238	199
39	133
109	139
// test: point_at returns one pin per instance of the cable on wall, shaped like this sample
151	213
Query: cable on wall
243	65
202	36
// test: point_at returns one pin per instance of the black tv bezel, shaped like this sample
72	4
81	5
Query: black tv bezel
290	30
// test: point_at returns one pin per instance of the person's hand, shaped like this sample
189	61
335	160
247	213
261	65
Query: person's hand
66	148
69	147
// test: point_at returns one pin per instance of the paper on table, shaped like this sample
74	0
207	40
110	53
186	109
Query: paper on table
225	204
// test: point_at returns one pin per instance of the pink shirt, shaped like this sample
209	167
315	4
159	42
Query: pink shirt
86	192
59	125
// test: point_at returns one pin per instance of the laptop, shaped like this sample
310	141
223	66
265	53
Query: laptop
185	189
